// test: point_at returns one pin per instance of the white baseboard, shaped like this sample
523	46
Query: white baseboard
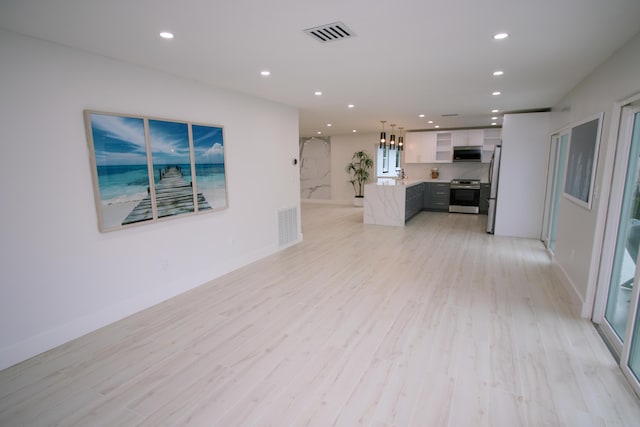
327	202
63	333
576	301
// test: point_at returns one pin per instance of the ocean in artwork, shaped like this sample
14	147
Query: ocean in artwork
129	183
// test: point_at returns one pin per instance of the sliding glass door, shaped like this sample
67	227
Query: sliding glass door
626	247
619	272
630	222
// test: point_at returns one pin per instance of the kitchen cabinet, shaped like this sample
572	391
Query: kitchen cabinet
426	204
413	200
443	147
485	189
490	138
420	147
471	137
438	199
437	146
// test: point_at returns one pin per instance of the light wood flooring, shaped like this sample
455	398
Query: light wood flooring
434	324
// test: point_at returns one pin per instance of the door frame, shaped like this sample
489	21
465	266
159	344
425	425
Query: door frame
609	220
555	139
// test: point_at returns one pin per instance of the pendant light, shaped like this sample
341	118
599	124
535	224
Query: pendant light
401	140
383	135
392	138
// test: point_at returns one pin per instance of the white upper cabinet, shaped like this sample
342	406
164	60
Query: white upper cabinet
470	137
420	147
437	146
476	137
490	138
443	147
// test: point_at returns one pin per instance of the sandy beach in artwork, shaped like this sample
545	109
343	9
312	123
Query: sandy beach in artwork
113	214
216	197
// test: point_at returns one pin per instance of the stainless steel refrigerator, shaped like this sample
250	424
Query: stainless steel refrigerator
494	178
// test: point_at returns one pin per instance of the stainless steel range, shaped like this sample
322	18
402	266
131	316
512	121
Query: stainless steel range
464	196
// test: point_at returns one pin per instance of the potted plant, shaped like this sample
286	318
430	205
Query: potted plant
358	170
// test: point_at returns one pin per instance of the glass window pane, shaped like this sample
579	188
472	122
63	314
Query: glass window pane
171	167
626	252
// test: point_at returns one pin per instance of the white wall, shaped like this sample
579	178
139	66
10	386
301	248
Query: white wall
522	180
342	149
61	278
577	243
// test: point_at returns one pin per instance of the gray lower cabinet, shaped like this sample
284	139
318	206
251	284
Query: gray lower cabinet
485	190
413	200
436	196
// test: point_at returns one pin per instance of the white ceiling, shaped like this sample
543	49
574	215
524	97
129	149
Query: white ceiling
408	57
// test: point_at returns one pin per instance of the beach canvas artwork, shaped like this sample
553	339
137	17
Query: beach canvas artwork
145	169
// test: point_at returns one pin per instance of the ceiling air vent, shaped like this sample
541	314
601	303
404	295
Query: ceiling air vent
330	32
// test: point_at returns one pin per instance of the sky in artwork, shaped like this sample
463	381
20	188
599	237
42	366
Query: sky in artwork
169	142
208	145
118	140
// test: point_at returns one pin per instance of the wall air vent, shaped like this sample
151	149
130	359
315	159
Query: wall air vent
287	226
330	32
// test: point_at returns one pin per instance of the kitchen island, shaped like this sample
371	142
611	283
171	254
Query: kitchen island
393	202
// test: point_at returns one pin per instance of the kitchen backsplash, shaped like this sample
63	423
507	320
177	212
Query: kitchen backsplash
448	171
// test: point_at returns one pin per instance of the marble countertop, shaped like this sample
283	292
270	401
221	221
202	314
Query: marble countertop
406	182
410	182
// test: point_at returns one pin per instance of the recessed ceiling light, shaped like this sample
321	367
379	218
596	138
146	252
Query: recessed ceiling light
317	93
496	93
494	118
495	111
498	73
501	36
421	115
493	124
430	121
265	72
319	133
354	131
436	126
350	106
329	125
166	35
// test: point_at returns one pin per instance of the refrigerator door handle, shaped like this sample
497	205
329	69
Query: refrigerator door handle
493	156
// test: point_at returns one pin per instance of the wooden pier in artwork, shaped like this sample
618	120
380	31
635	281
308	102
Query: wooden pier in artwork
174	196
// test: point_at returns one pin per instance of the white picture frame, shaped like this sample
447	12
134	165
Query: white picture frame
582	160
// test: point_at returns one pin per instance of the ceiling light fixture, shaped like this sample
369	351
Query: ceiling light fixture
494	118
317	93
383	135
495	111
493	124
329	125
354	131
265	73
501	36
166	35
437	126
400	142
496	93
392	138
421	116
498	73
430	122
350	106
